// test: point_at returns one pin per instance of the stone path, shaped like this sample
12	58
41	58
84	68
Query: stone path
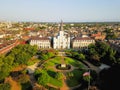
14	84
91	66
65	86
31	69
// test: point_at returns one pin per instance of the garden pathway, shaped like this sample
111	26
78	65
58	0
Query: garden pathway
65	86
14	84
91	66
31	69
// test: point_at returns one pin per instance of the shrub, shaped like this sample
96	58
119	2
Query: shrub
23	79
59	76
26	86
43	79
5	86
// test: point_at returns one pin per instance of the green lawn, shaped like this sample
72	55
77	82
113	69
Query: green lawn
75	78
71	80
57	60
73	62
32	61
49	76
53	62
55	82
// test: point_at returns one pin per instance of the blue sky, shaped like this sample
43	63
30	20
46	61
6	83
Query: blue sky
55	10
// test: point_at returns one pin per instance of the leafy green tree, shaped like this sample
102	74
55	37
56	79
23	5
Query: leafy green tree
59	76
50	54
5	86
1	61
118	61
22	58
102	48
26	86
5	66
81	56
37	73
43	79
74	54
110	34
23	79
9	60
95	57
4	71
44	57
110	56
102	52
92	51
32	50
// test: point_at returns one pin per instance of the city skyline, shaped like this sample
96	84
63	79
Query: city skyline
55	10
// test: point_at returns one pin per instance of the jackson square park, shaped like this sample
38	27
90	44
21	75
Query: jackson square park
32	67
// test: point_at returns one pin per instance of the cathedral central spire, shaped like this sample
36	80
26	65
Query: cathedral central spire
61	26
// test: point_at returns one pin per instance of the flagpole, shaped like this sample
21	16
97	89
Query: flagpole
89	80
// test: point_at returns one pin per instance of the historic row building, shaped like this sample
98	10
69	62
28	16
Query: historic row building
82	42
62	41
41	42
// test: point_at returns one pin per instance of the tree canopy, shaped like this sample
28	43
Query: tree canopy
18	55
102	52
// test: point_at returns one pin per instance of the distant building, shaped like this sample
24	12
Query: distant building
82	42
41	42
61	41
6	47
98	36
115	44
2	35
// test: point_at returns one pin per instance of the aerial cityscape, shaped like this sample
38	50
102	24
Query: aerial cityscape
60	45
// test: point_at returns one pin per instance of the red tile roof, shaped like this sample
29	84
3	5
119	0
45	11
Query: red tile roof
82	38
8	46
29	29
39	38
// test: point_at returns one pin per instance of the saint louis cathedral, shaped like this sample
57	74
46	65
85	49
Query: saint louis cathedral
62	41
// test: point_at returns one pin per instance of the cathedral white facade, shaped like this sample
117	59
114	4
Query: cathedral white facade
61	41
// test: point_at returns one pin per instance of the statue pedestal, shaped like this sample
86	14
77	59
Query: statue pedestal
63	65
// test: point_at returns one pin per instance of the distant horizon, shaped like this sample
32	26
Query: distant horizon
55	10
64	21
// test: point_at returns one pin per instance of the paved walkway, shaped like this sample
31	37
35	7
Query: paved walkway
31	69
65	86
91	66
14	85
103	66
